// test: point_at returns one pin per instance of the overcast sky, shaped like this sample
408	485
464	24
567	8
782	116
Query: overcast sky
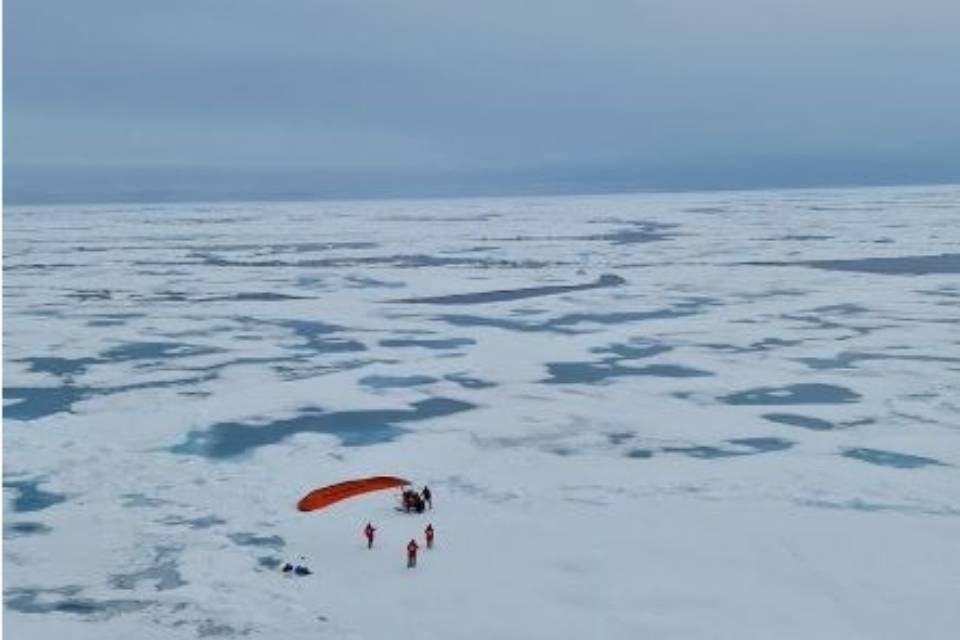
643	91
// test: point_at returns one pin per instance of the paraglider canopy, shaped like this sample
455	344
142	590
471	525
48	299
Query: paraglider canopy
325	496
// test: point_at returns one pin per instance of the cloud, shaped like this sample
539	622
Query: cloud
347	85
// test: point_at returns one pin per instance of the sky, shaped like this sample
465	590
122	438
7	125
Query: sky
374	97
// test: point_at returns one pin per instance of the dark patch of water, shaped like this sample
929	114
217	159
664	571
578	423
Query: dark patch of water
391	382
415	261
942	292
39	266
335	345
504	295
845	309
20	529
314	369
633	350
316	336
476	249
353	428
527	311
799	237
361	282
427	343
822	323
244	296
203	522
246	539
681	309
708	210
106	323
237	362
51	311
774	293
638	232
703	452
70	367
902	265
763	445
632	236
760	345
61	367
142	500
162	296
155	351
944	263
83	295
859	504
30	497
858	422
164	572
849	359
312	282
468	382
38	402
743	447
460	320
890	458
311	247
212	629
594	372
804	393
795	420
27	601
255	296
566	324
269	562
275	249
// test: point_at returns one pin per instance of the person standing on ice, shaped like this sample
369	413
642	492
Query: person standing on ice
427	496
429	535
368	531
412	554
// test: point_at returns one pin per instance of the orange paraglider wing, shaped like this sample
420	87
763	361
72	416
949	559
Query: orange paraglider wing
325	496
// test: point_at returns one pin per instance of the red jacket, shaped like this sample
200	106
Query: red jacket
412	548
369	531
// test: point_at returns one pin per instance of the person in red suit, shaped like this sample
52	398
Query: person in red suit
368	531
412	554
429	534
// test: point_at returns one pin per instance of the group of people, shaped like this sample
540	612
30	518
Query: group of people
413	501
412	547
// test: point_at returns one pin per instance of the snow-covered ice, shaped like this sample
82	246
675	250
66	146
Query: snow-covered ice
719	415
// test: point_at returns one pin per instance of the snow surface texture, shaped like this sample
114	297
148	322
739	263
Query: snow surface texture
726	415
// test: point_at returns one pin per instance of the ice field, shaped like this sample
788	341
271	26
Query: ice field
691	416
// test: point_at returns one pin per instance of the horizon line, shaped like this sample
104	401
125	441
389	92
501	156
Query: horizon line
171	197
